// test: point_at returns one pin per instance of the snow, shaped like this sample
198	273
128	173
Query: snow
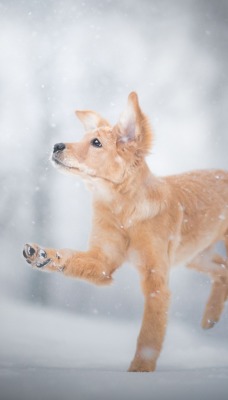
89	55
48	354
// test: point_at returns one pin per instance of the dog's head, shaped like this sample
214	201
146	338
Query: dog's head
105	152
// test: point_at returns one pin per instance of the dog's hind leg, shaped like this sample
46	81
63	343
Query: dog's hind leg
226	245
215	302
217	268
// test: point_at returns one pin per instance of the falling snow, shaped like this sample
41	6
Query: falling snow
64	337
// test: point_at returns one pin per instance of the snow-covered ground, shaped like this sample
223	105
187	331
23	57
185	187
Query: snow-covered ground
48	354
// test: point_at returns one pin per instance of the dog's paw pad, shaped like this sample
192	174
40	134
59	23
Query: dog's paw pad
42	264
42	253
29	252
35	256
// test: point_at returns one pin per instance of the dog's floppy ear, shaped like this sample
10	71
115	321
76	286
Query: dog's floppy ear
134	127
91	120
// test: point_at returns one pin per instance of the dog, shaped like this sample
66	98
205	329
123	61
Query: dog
156	221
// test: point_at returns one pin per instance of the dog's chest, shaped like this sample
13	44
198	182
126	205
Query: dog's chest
129	213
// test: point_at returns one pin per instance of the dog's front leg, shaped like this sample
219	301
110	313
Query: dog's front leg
93	265
154	322
106	253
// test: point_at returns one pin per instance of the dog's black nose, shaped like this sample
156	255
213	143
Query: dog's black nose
59	147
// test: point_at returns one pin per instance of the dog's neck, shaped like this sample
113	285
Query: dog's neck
140	196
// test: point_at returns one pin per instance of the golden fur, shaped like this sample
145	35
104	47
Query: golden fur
161	221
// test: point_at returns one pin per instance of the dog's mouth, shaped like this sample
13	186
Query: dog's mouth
61	164
84	171
81	169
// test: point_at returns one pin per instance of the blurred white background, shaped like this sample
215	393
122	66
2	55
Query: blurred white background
58	56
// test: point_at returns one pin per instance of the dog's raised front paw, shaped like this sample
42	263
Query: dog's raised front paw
36	256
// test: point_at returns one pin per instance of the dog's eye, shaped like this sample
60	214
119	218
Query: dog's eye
96	143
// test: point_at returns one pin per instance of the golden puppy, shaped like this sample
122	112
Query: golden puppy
161	221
